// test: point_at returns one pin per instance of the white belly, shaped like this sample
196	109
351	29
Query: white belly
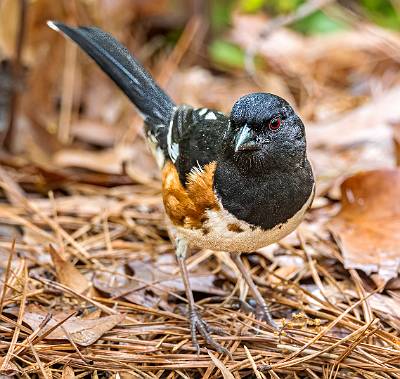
223	231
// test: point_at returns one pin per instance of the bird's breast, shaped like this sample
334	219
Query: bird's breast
223	231
200	217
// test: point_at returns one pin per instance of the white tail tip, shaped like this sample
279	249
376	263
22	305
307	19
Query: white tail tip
52	25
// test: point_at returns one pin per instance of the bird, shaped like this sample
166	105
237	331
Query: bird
230	182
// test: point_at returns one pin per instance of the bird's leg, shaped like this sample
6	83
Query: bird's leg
254	290
197	324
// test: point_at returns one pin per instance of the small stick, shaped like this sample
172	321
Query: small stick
16	70
7	276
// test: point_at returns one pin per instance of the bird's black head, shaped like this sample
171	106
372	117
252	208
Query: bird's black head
265	134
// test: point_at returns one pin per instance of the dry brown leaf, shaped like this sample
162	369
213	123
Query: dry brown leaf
199	281
92	315
67	373
112	160
287	272
368	225
68	274
386	305
9	370
95	132
85	206
369	123
82	332
106	161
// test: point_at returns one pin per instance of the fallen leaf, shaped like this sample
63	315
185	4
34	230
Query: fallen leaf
9	369
108	161
92	315
95	132
385	305
67	373
368	224
68	274
350	129
166	264
82	332
85	206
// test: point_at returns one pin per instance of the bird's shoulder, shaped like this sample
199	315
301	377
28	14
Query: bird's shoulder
195	137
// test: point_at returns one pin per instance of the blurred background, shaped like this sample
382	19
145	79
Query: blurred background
80	193
328	58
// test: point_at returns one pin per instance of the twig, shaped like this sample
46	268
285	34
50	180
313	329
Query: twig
19	322
67	95
16	69
38	361
170	65
7	276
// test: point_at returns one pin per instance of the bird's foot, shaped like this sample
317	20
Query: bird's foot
197	324
261	311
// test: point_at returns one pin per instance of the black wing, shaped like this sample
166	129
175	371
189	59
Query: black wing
195	138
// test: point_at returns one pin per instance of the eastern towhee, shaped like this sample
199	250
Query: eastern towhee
233	183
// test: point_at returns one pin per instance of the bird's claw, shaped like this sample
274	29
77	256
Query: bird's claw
261	312
197	324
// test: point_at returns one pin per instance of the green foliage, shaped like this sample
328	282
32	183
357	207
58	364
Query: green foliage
318	23
382	12
283	6
251	6
221	11
226	54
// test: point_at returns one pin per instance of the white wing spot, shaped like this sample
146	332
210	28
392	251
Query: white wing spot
174	152
210	116
203	111
52	25
160	159
152	138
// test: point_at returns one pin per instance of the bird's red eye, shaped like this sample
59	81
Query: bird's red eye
274	124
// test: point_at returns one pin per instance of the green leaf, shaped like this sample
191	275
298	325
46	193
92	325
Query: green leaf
251	6
319	23
226	54
382	12
221	11
283	6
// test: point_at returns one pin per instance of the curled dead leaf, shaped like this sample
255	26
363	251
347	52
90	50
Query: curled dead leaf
368	224
68	274
9	369
68	373
83	332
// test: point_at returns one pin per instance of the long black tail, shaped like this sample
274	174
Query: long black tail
129	75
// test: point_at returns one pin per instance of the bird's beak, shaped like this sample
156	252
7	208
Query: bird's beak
245	140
